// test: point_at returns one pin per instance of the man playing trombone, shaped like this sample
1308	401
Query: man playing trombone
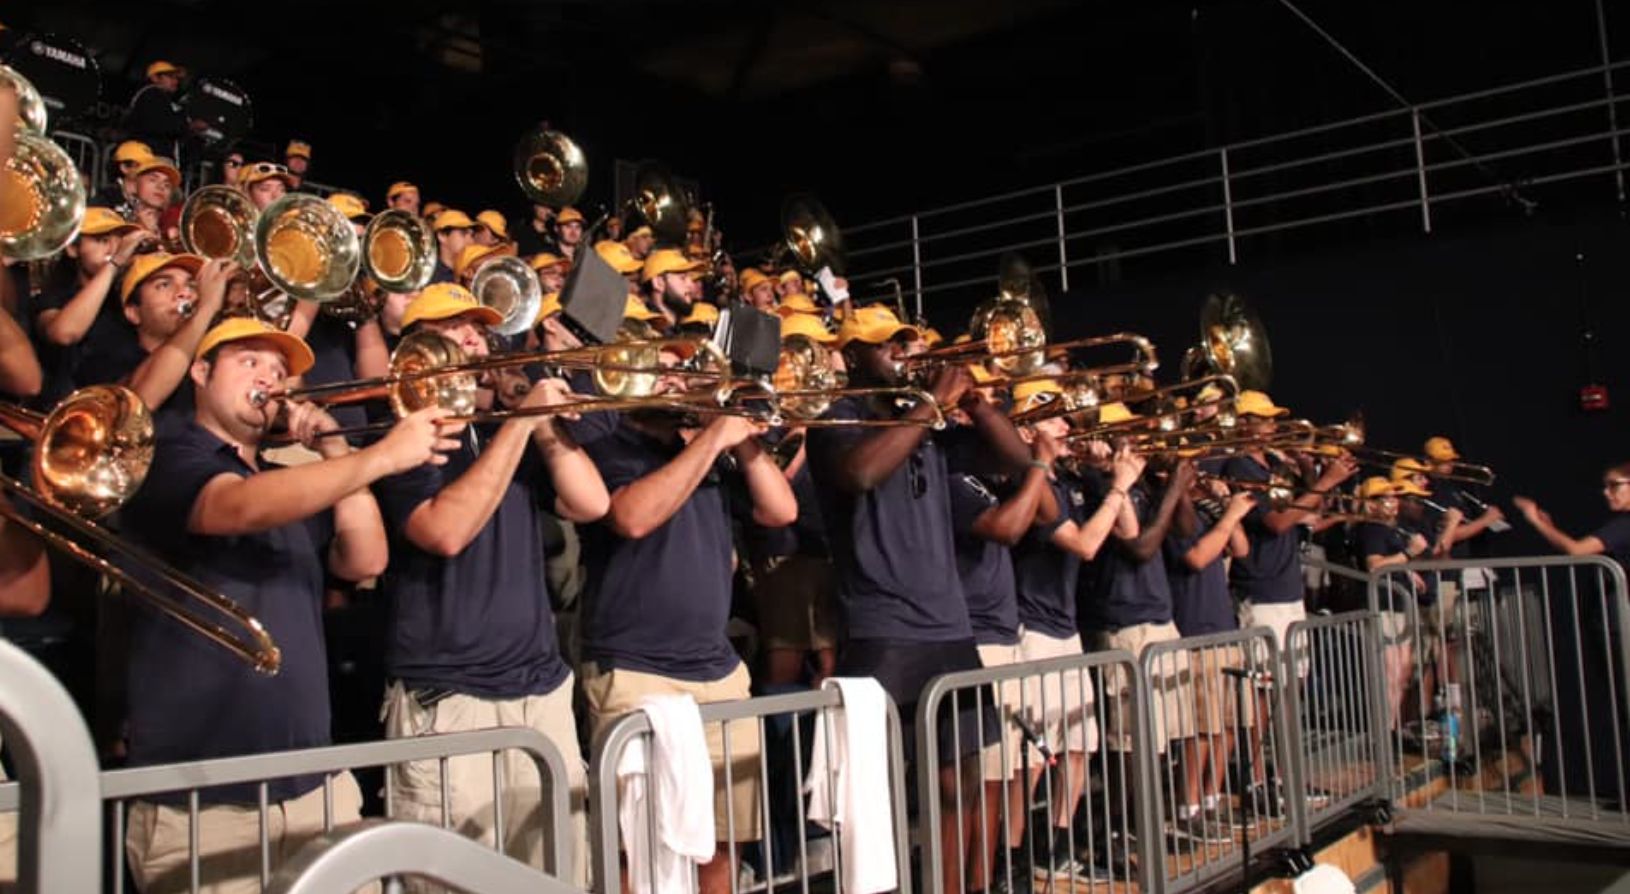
471	642
264	537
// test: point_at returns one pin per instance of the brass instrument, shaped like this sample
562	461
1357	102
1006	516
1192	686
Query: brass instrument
307	248
91	454
219	222
1013	348
44	197
810	235
510	286
1167	416
549	167
1209	439
399	251
805	386
1349	436
1233	342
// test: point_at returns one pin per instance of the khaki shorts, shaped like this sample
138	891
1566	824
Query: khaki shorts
1277	616
416	785
1169	686
1001	760
156	839
796	599
1216	695
614	693
1059	704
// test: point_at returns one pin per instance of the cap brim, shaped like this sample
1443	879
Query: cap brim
120	227
294	350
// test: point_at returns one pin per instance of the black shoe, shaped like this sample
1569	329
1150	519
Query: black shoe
1264	802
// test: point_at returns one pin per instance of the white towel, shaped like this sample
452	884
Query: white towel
675	784
858	801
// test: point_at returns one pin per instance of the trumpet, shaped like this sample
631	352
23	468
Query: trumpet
1169	417
92	452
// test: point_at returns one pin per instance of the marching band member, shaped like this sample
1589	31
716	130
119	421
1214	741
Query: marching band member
118	192
490	228
758	290
453	228
568	232
659	586
264	537
885	499
154	181
403	196
76	318
154	117
265	182
671	288
1380	542
640	242
551	270
297	160
471	642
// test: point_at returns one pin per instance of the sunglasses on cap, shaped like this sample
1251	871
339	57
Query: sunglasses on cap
1615	483
267	169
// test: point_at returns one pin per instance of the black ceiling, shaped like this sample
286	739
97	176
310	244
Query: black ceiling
879	107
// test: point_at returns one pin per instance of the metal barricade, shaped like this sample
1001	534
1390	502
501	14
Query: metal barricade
1509	697
1219	700
1040	723
83	151
340	862
120	788
58	825
782	731
1338	743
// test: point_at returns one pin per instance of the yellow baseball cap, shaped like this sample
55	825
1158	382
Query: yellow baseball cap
143	266
1406	466
789	275
453	218
701	313
296	353
148	163
131	150
101	221
443	300
636	309
548	307
1441	450
752	278
808	326
797	303
473	253
641	230
254	172
161	67
544	260
873	325
1111	413
1376	486
495	222
1407	488
932	336
349	205
399	187
569	214
1256	403
299	148
1033	393
431	209
1209	393
666	260
618	256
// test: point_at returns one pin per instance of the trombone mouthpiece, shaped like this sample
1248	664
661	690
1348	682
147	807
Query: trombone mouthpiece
259	398
186	309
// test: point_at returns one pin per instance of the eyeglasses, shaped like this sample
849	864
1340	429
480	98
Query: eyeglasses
1615	483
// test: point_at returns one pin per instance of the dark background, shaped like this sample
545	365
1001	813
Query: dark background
1475	331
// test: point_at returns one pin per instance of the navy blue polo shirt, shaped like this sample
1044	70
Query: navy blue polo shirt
1047	575
1272	571
1121	590
61	363
588	427
442	273
1200	600
804	537
333	346
1615	537
986	567
893	545
1372	539
189	698
479	622
659	604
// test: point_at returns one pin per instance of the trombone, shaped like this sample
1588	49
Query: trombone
1350	436
91	453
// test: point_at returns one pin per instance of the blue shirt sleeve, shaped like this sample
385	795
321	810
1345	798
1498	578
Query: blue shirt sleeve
970	499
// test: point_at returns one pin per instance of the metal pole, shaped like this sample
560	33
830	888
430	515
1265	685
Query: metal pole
916	259
1228	206
1612	102
1063	256
1420	170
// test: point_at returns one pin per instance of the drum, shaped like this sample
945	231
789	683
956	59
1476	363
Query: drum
223	106
62	69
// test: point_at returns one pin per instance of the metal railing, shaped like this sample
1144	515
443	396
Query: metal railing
1338	746
83	151
1199	682
1085	807
121	788
785	727
1519	710
344	861
1505	143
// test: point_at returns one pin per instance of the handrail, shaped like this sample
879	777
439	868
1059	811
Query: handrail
346	860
